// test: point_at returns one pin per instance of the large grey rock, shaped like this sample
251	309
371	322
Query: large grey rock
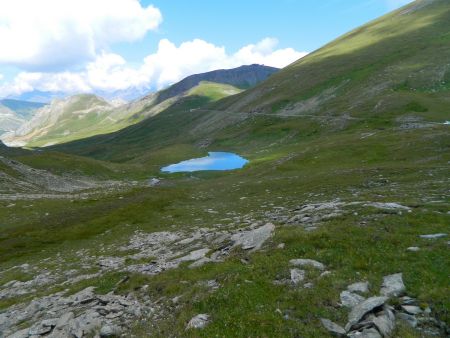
198	322
333	328
194	255
362	287
393	285
253	239
364	307
297	276
307	262
349	299
385	323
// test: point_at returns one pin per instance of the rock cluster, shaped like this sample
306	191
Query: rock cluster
79	315
375	318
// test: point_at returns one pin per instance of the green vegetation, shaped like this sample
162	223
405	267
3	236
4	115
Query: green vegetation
359	120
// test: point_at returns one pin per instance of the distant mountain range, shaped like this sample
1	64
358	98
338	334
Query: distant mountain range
14	113
85	115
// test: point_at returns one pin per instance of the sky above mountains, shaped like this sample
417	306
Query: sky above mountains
105	46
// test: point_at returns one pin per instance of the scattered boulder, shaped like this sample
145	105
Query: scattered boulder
366	333
333	328
307	262
198	322
413	248
393	285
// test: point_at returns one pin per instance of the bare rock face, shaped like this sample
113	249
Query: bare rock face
393	285
198	322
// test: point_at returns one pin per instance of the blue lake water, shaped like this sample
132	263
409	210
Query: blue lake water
214	161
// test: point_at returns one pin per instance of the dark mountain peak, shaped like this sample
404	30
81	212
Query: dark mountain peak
243	77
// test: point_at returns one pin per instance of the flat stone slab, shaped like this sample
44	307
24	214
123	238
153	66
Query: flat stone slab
307	262
253	239
393	285
364	307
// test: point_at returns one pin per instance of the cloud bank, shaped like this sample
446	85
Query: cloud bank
110	72
56	34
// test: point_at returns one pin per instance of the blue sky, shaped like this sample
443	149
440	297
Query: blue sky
106	46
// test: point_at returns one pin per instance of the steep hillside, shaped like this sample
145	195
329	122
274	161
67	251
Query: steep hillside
390	73
243	77
86	115
14	113
337	226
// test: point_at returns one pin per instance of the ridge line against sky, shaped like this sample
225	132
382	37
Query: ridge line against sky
104	46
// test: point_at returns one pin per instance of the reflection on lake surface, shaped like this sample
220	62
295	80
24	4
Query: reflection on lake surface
214	161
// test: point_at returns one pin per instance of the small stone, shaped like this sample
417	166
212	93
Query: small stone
349	299
362	287
281	246
333	328
297	276
433	236
325	273
413	248
412	309
198	322
308	285
109	331
364	307
393	285
307	262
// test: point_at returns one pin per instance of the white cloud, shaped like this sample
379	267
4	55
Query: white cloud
169	64
60	33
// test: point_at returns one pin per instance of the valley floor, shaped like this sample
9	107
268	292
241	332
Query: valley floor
266	251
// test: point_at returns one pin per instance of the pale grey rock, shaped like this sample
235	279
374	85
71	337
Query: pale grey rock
388	206
364	307
349	299
307	262
412	309
153	182
362	287
109	331
366	333
433	236
385	323
281	246
202	261
253	239
333	328
194	255
413	248
393	285
409	319
43	327
297	276
198	322
308	285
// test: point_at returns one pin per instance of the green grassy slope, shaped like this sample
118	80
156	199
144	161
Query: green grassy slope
351	147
